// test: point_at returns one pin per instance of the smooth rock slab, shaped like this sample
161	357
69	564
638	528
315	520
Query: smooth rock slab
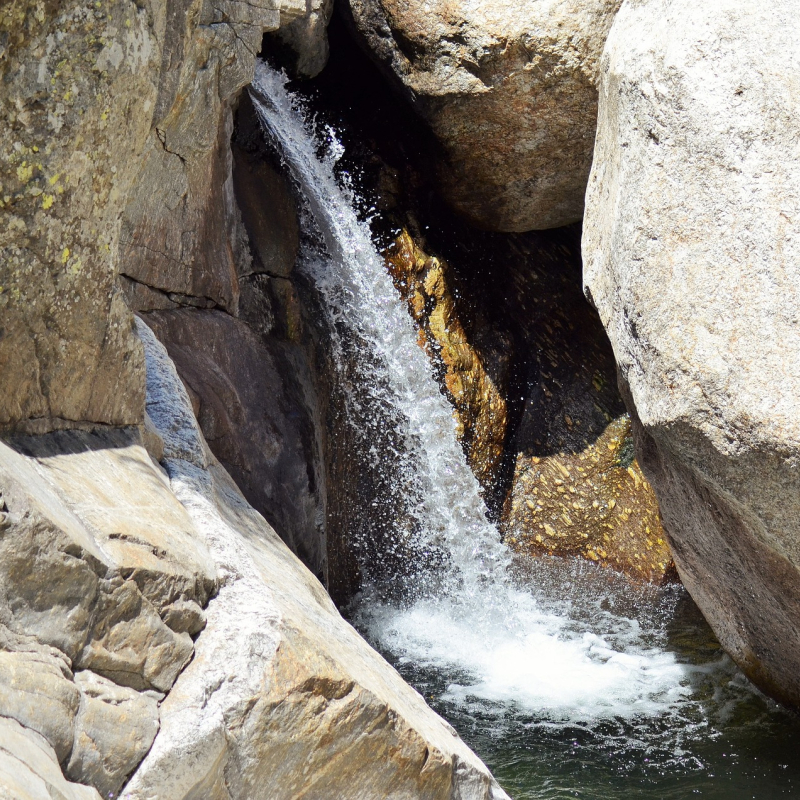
691	248
283	698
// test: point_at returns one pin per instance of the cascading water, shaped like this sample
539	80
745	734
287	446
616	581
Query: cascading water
548	651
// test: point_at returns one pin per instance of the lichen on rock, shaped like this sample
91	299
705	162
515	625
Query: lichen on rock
594	503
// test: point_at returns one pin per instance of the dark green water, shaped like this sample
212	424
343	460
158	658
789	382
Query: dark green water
721	739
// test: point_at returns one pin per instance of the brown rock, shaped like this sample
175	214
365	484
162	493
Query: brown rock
508	89
110	111
181	232
593	503
478	406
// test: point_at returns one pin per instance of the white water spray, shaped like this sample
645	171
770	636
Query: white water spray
507	645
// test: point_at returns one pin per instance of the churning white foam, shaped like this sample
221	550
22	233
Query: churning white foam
506	646
517	653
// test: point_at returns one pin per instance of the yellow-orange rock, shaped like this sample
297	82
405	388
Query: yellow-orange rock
479	407
593	503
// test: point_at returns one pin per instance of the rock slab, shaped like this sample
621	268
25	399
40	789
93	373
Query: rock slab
691	245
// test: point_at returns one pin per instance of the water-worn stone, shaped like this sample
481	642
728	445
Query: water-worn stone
282	692
691	245
479	408
29	768
253	422
508	89
75	521
114	729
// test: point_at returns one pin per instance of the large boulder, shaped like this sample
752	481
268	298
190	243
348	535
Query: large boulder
691	251
509	91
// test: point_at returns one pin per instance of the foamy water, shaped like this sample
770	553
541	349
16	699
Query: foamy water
513	648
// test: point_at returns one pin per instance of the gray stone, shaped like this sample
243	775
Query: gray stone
116	110
508	89
29	768
114	729
253	419
131	644
36	689
307	37
691	245
84	508
184	616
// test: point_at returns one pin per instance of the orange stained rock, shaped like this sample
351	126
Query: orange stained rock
595	503
479	408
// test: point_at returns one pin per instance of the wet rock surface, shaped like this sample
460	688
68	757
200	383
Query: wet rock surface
690	239
478	399
594	503
509	92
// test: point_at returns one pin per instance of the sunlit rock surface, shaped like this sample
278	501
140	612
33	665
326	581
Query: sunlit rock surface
479	407
29	768
691	244
509	91
282	692
95	554
593	503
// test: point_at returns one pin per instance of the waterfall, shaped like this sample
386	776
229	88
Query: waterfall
445	507
506	644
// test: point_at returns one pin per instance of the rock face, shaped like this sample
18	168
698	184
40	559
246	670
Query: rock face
79	86
691	241
252	421
29	769
116	159
509	91
281	692
95	555
478	405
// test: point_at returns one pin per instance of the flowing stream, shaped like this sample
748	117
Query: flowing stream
568	682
